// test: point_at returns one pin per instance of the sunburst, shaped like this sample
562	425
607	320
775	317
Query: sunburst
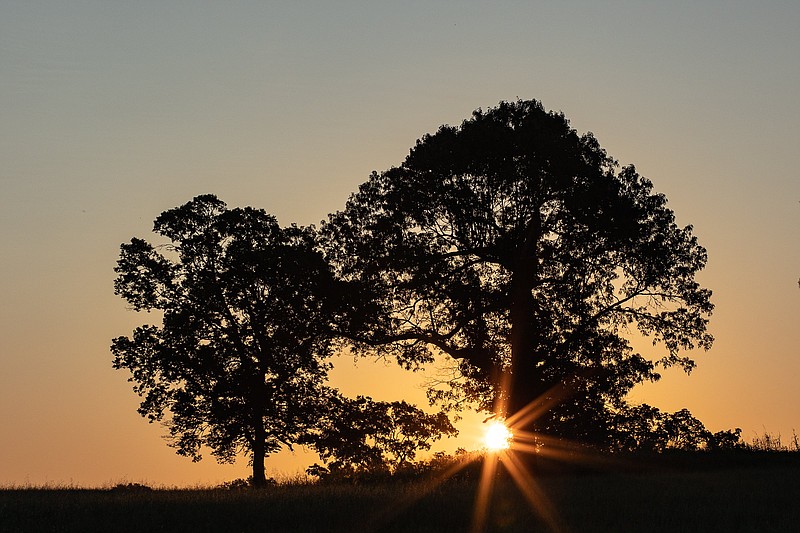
497	436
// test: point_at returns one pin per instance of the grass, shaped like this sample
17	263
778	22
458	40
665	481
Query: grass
756	492
769	442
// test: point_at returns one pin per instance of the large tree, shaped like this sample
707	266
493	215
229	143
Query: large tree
238	362
524	252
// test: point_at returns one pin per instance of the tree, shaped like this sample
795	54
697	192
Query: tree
522	251
238	363
646	428
685	431
728	439
364	436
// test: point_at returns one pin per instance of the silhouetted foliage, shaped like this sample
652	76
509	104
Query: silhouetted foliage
130	488
729	439
646	428
524	252
242	484
685	432
357	436
238	362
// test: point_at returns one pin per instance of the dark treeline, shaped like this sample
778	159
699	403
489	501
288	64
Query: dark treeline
510	245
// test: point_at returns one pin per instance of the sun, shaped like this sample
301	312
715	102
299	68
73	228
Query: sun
497	436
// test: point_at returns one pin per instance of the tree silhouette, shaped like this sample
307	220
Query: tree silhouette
364	436
646	428
238	362
524	252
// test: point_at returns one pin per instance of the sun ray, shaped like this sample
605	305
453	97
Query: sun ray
525	447
531	490
504	448
527	437
501	400
384	518
536	408
576	453
485	487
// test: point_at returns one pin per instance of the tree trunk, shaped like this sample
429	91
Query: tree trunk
259	451
523	387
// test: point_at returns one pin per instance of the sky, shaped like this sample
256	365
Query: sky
112	112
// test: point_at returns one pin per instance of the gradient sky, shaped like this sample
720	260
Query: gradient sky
112	112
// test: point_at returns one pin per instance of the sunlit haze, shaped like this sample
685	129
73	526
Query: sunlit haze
113	112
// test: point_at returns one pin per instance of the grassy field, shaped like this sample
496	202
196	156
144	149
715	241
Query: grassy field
745	496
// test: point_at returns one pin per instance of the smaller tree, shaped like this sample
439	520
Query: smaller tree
729	439
361	435
646	428
238	362
685	431
640	428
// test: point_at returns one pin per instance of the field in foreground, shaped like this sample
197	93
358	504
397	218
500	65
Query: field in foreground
748	497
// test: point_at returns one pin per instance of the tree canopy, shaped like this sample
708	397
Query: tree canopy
239	360
524	252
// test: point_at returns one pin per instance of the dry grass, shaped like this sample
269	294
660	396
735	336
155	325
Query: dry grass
756	492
